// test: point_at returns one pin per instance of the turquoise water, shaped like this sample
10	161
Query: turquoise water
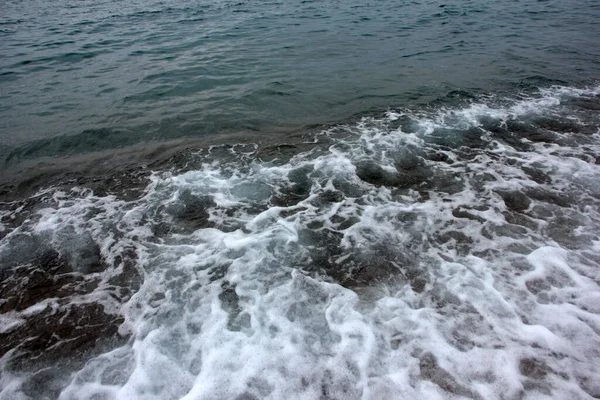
81	76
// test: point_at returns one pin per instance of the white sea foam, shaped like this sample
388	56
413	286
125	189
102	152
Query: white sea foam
334	275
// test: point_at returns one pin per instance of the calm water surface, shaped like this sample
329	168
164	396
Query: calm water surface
113	73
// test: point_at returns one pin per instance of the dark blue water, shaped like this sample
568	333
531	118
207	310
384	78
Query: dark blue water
81	76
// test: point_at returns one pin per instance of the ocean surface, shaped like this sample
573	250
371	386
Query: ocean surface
299	200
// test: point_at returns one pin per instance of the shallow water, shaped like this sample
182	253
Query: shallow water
430	252
306	200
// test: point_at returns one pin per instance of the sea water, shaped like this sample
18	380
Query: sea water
305	200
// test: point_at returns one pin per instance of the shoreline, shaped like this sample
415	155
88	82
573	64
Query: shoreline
27	177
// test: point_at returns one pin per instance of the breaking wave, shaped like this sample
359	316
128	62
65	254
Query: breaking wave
449	251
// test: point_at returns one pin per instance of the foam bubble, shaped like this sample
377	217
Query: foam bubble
434	253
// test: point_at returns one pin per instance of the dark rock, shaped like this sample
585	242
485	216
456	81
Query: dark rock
88	259
457	236
349	189
295	192
460	212
17	212
161	229
52	262
530	131
586	103
24	286
516	218
331	196
62	329
508	136
447	184
128	277
438	156
230	303
537	175
410	173
536	286
515	201
560	125
461	242
457	138
418	285
192	212
128	185
54	334
375	175
347	223
533	368
289	196
564	230
547	196
431	371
